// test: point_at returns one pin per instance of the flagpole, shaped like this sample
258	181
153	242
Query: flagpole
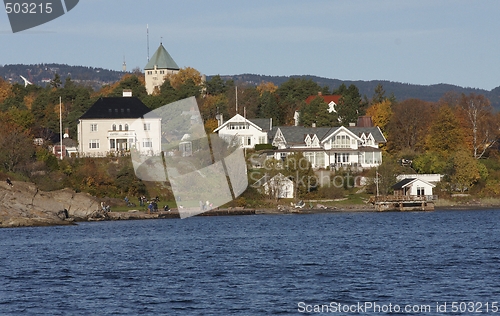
60	128
376	176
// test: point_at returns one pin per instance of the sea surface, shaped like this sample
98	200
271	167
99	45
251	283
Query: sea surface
414	263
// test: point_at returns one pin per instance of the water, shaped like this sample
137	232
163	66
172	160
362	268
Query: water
253	265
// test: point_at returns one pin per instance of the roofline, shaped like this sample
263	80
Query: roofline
229	121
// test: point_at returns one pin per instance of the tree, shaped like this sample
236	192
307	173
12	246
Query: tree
299	168
184	76
56	82
215	85
5	90
316	112
408	125
16	145
298	89
445	134
351	105
130	82
268	107
266	86
381	113
466	171
482	126
386	175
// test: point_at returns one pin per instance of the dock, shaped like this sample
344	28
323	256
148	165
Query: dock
403	203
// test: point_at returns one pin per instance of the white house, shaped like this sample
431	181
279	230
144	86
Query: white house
245	132
160	65
413	187
116	125
277	187
335	147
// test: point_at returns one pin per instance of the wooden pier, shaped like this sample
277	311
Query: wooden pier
403	203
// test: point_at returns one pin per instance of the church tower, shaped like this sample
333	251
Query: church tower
160	65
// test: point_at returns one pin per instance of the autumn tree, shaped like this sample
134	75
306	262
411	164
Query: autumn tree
16	144
408	125
445	134
381	113
266	86
183	76
480	123
5	90
465	171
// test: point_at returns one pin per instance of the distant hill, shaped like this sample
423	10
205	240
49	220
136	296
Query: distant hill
41	74
401	91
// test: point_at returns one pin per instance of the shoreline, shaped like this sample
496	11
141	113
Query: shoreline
240	211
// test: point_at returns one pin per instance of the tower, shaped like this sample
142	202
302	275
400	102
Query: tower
160	65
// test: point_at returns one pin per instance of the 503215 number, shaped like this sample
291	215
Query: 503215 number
28	8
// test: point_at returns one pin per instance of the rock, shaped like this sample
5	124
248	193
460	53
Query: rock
24	205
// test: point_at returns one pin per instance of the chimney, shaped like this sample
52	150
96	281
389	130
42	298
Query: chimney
313	124
66	133
127	93
352	124
271	124
320	93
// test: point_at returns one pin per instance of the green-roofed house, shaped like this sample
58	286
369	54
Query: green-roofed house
160	65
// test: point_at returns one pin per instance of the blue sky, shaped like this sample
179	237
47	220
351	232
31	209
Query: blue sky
419	42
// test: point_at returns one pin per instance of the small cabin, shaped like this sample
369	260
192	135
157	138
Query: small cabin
413	187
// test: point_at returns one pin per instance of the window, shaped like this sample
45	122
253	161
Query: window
341	141
114	127
262	139
93	127
420	191
126	127
120	127
246	140
147	126
147	142
94	144
112	144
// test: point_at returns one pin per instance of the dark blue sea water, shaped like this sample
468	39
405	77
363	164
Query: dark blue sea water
256	265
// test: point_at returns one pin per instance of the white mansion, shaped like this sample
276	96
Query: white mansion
115	125
355	146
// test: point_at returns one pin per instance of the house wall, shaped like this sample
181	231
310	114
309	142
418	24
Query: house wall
98	141
419	184
248	137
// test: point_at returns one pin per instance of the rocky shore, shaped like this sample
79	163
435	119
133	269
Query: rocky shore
23	205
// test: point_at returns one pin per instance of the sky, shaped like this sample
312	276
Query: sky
418	42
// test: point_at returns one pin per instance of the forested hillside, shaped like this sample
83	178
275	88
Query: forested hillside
455	136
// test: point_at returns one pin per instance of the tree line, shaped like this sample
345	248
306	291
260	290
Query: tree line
456	136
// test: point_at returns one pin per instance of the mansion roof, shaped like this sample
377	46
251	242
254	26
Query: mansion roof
327	98
297	134
116	107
